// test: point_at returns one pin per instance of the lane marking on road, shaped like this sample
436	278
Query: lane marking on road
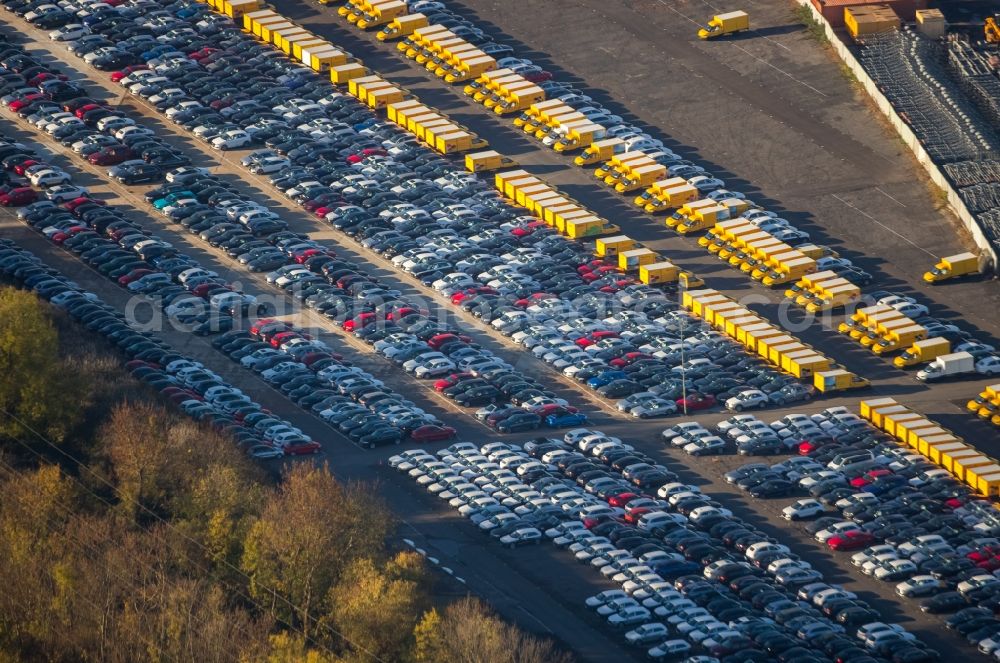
883	226
890	197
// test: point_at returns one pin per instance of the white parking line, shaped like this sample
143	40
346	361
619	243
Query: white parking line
883	226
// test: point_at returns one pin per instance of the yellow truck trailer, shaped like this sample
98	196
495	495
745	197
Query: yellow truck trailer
923	351
607	247
985	480
640	177
806	365
952	267
868	408
631	260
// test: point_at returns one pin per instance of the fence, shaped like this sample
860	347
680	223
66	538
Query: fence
955	201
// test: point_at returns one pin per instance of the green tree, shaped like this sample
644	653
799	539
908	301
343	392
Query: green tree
375	609
306	536
428	643
35	391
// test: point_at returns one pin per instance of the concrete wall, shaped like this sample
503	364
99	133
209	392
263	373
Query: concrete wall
955	202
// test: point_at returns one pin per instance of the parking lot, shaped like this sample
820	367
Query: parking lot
537	587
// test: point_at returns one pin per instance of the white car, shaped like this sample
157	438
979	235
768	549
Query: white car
269	165
62	193
521	537
670	649
748	399
598	600
803	509
647	633
837	529
919	586
896	569
231	140
70	32
988	365
629	617
49	177
867	555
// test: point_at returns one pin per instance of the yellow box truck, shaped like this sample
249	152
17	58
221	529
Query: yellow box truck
725	24
838	380
402	26
923	351
808	283
478	162
952	267
988	395
600	150
899	338
791	270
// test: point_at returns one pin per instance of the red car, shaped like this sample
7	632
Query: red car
855	540
118	75
76	202
19	168
525	230
357	322
868	477
990	565
462	295
26	101
432	433
20	196
203	53
594	337
279	339
621	499
302	448
111	155
553	408
538	76
696	401
633	516
133	275
452	380
628	358
436	342
83	110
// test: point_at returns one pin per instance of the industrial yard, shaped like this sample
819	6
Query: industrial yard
666	329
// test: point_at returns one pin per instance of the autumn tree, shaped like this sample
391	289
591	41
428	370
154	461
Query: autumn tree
374	609
469	632
305	538
35	393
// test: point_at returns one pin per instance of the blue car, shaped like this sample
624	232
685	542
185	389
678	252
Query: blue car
677	569
565	420
607	377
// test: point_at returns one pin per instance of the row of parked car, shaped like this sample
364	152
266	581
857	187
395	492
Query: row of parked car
692	576
196	390
913	523
444	227
255	235
637	140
